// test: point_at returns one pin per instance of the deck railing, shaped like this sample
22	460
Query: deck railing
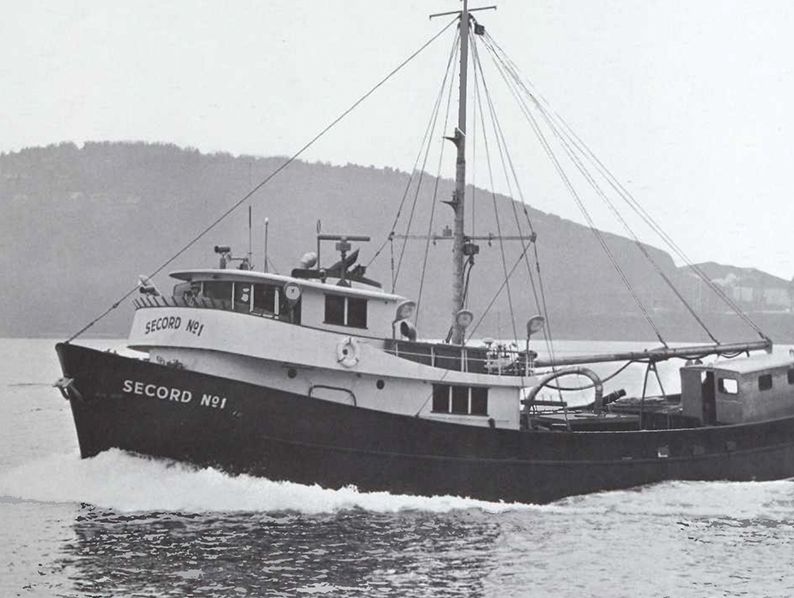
202	302
496	359
145	301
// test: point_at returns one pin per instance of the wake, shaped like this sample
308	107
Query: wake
128	483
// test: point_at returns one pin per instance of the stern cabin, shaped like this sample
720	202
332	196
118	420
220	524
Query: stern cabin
753	389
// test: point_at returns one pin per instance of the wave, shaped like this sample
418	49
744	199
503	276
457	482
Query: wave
772	500
129	483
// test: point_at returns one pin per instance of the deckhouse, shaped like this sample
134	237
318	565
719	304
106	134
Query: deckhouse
356	309
326	333
753	389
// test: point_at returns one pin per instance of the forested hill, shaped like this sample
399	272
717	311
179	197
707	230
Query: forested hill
80	223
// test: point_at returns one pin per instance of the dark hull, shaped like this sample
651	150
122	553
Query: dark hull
284	436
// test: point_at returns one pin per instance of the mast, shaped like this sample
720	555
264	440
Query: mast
458	202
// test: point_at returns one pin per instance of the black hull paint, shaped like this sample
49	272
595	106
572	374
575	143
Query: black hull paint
284	436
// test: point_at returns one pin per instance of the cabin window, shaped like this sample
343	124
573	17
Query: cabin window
479	400
765	382
791	376
187	291
728	386
180	289
242	296
265	300
356	312
440	398
335	310
346	311
218	291
460	400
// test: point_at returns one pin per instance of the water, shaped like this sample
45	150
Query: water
119	525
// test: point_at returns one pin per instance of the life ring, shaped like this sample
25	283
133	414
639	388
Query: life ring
347	352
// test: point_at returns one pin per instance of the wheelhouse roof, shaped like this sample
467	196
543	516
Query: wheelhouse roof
749	365
252	276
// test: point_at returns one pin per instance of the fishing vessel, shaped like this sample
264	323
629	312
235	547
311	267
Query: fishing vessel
319	376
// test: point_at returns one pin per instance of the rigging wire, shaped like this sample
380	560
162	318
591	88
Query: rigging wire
419	153
468	266
390	240
422	172
544	106
434	198
552	156
498	292
496	215
540	302
473	168
582	168
269	177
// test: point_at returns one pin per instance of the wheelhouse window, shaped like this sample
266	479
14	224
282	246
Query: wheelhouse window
479	401
218	291
765	382
790	374
440	398
242	296
460	400
266	299
728	386
187	291
345	311
335	310
356	312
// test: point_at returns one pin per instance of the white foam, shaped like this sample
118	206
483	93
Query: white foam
738	500
128	483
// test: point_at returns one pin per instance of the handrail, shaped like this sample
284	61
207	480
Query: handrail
200	302
481	360
506	361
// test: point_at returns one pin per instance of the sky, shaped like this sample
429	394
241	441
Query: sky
688	103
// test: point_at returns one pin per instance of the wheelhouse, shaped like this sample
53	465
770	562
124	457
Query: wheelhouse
357	309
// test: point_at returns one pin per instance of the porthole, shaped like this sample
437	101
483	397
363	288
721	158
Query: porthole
380	384
291	373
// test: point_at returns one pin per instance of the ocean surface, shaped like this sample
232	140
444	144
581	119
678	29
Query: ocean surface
120	525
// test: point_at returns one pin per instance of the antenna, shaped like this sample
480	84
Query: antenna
267	224
250	254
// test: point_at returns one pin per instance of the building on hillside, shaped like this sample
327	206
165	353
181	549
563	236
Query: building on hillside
749	288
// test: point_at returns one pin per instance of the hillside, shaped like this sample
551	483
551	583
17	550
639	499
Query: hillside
79	225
